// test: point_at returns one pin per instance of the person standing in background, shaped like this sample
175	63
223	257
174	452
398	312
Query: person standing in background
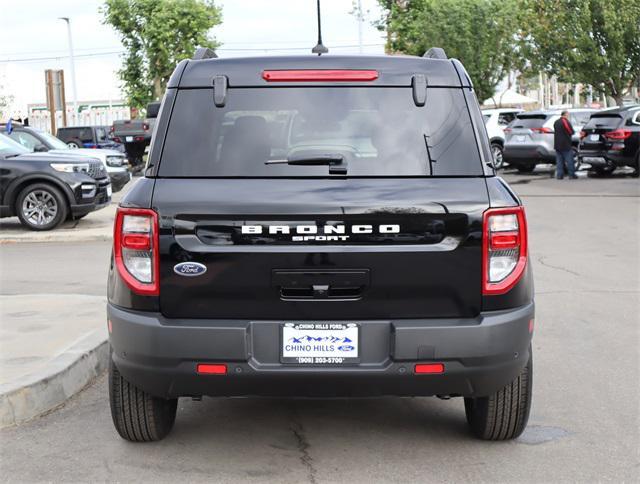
562	132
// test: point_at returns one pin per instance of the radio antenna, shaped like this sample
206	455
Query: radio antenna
319	48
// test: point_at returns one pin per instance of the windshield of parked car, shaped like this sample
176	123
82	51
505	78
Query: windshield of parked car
531	121
604	121
376	131
8	147
56	144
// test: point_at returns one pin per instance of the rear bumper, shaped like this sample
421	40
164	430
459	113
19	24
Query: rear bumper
480	355
527	155
606	159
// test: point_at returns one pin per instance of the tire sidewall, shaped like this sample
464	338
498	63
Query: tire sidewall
61	214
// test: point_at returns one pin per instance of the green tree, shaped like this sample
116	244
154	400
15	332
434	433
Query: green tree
594	42
482	34
156	35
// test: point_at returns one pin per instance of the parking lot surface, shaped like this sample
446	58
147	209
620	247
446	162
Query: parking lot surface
584	426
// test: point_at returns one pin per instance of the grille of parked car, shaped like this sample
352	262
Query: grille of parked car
97	170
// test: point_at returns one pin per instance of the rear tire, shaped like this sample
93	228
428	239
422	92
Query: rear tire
138	416
503	415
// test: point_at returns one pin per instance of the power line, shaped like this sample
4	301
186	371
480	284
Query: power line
222	49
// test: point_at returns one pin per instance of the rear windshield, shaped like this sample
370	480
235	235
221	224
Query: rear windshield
604	121
83	134
534	121
376	131
580	118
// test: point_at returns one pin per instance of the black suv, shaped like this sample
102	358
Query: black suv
87	137
324	226
45	189
611	139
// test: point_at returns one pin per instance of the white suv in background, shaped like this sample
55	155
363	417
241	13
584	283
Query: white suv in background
495	120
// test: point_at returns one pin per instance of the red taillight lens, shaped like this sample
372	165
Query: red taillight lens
504	249
117	140
428	368
211	369
583	133
138	138
618	134
542	130
135	249
507	130
320	75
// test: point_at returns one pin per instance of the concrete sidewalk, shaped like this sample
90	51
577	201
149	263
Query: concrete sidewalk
51	346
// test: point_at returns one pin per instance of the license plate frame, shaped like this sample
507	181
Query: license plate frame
333	334
594	137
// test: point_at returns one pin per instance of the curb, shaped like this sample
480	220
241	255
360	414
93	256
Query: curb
67	374
108	236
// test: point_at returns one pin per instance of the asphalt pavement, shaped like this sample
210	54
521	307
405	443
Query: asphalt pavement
584	425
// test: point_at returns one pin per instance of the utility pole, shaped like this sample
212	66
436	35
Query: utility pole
360	19
73	71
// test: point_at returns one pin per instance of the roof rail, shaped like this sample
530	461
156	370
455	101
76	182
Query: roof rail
435	53
204	53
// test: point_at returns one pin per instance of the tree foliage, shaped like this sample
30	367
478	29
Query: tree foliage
156	35
482	34
594	42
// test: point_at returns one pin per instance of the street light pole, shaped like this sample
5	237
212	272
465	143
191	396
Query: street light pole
73	69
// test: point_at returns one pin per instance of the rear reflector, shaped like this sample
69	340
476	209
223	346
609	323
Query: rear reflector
429	368
211	369
320	75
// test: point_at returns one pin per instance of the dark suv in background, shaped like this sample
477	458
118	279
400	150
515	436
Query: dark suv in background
611	139
45	189
323	226
87	137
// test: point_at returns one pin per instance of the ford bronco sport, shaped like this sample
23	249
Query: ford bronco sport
323	227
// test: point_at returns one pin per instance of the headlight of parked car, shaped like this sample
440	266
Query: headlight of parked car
115	161
71	167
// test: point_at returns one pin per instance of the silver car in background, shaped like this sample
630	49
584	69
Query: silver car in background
529	138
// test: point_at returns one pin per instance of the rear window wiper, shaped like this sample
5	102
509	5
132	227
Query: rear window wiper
335	161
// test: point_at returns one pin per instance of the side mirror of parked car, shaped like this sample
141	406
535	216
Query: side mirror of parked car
153	109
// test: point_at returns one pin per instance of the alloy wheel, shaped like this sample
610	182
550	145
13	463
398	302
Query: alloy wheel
498	161
39	207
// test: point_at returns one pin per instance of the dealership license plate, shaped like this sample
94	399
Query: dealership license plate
128	139
594	137
320	343
109	191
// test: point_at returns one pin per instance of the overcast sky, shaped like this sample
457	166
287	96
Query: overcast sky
30	32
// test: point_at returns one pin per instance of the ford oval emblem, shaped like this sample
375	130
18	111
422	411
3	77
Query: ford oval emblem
346	348
190	269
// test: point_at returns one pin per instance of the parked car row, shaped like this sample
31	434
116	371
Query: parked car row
36	140
45	189
603	139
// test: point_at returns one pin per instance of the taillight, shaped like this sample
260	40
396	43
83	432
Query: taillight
504	249
507	130
135	249
618	134
544	129
583	133
320	75
117	140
